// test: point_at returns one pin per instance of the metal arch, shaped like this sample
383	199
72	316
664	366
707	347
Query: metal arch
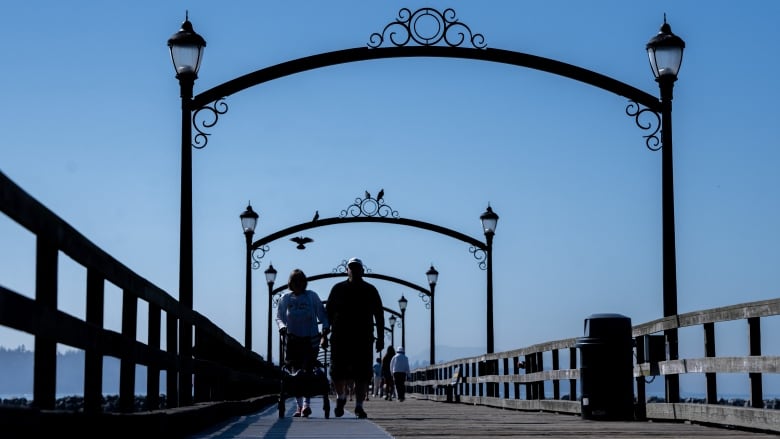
477	248
322	222
276	292
384	277
450	34
357	54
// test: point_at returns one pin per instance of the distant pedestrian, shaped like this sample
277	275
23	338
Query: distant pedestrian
399	366
387	374
378	377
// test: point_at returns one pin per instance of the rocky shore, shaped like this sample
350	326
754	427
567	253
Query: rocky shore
110	403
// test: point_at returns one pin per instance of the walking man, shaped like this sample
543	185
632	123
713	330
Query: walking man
399	365
355	312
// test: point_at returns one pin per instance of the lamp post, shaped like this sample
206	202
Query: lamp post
433	277
665	51
392	320
186	48
489	222
270	278
402	302
248	223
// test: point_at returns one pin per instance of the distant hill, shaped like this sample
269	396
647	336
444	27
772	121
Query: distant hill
16	373
443	355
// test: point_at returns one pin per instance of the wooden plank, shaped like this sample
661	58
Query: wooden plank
717	414
423	419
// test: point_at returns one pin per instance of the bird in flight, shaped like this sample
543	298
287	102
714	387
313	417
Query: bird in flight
301	241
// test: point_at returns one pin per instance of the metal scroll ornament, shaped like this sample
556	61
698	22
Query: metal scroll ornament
258	257
480	255
370	207
425	299
644	119
426	27
206	120
342	268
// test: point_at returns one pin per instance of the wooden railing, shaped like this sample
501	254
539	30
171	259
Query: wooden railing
222	368
539	377
496	379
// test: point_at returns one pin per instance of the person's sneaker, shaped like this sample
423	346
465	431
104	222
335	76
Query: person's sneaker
297	413
339	410
360	413
306	412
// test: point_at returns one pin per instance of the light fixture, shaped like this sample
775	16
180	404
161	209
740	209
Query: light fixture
249	220
433	276
270	274
665	51
186	49
489	221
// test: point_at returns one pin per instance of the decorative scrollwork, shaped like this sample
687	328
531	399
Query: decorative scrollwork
257	258
275	299
214	110
480	255
370	207
425	299
427	27
653	125
342	268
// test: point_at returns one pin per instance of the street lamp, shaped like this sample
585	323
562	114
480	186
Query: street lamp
248	223
186	48
489	222
392	320
270	278
433	276
665	51
402	302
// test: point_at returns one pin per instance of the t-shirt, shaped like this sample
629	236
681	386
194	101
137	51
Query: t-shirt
352	309
301	314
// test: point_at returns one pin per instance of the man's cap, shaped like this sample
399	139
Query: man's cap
354	261
400	349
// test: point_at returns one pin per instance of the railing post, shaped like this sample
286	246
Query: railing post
173	367
709	352
93	359
640	408
45	356
128	361
754	339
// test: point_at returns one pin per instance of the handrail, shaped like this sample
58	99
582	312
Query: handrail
526	391
224	368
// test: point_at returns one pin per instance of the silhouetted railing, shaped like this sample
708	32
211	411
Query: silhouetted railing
540	377
223	368
496	379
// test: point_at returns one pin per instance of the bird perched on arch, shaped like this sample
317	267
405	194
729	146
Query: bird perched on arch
301	241
316	216
380	195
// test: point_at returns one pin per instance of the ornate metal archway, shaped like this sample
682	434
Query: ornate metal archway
453	39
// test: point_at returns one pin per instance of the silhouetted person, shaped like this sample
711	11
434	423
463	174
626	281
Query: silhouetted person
399	366
298	316
355	311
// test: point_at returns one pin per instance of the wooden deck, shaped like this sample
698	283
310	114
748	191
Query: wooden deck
423	419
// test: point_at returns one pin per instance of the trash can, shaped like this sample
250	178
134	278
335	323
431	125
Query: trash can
607	368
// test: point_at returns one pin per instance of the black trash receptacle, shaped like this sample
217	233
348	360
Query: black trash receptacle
607	368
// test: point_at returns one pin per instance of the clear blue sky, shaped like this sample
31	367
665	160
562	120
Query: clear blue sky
91	126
